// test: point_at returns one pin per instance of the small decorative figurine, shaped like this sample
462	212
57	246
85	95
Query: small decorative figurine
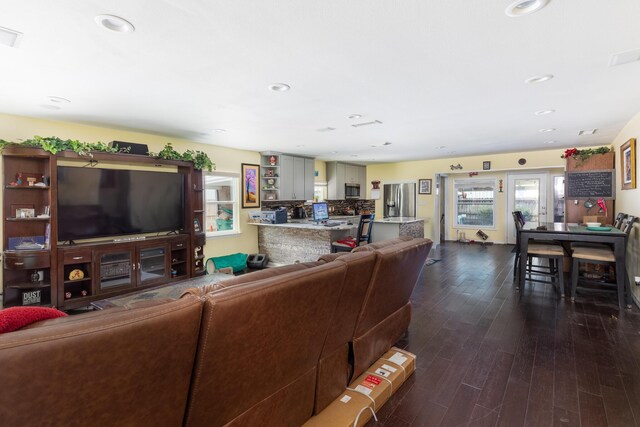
272	160
84	293
67	295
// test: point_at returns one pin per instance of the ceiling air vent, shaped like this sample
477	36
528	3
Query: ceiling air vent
624	57
9	37
375	122
587	132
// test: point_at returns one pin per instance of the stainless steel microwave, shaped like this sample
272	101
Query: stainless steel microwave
352	191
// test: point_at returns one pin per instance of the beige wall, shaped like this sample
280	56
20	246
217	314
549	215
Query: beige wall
14	128
628	201
501	164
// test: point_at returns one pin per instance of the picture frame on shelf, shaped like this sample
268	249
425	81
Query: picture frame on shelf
250	185
14	208
486	165
25	213
628	164
424	186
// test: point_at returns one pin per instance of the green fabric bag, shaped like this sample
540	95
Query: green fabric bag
236	261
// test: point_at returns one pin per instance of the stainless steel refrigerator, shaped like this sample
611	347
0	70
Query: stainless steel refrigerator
399	200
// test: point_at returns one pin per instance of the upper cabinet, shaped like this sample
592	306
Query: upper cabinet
339	174
286	177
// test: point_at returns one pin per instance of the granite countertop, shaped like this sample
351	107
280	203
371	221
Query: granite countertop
305	225
398	220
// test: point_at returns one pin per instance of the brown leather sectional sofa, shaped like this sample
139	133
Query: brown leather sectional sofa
267	348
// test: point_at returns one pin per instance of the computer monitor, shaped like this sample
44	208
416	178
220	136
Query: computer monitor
320	212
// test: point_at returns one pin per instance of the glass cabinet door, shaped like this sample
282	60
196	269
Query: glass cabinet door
153	265
115	270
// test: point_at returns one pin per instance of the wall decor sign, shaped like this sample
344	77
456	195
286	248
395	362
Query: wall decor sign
250	186
628	164
486	165
424	186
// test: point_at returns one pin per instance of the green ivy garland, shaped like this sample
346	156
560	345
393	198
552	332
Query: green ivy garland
584	154
54	145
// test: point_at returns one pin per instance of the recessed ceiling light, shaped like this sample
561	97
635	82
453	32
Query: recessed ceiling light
354	155
547	130
373	145
9	37
219	130
114	23
334	152
539	79
49	107
544	112
59	100
327	129
279	87
387	143
441	147
355	116
550	142
524	7
300	145
587	132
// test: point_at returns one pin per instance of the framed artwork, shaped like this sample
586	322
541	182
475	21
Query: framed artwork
250	186
424	186
628	164
486	165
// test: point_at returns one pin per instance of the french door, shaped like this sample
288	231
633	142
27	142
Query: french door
526	193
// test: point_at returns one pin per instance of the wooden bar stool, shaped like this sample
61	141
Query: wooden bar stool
602	254
553	253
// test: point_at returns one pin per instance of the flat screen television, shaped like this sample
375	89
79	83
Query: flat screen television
320	212
96	202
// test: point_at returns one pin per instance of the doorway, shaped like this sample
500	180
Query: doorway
526	193
441	209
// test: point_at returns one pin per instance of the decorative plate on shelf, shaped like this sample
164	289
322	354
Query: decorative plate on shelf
76	274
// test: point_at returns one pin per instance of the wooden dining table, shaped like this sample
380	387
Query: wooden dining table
563	232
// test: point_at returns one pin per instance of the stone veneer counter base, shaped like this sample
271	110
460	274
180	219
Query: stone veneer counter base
290	243
391	228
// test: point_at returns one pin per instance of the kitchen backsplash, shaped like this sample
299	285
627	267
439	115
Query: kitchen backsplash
336	207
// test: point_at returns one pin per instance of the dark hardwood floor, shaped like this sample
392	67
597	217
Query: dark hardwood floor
488	355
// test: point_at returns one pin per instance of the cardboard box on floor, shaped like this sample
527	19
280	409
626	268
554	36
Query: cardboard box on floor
351	409
368	392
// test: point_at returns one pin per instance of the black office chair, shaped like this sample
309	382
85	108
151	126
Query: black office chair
602	254
365	228
544	250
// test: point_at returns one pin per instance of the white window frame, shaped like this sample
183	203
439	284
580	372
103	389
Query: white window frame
236	204
492	182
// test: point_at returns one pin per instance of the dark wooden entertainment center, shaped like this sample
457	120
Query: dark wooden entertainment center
71	276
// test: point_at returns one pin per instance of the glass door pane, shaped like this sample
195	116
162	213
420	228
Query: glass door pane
152	264
115	270
527	198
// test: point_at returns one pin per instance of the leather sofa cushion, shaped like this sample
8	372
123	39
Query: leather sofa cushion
126	367
259	348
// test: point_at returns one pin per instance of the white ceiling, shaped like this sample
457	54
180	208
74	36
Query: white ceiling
434	72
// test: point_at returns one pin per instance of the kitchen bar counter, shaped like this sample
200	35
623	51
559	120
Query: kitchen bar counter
399	220
299	241
393	227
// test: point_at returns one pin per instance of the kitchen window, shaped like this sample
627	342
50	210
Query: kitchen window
221	203
475	203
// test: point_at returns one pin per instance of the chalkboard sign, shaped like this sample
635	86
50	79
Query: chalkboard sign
590	184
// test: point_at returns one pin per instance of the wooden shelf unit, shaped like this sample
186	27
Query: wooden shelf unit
170	257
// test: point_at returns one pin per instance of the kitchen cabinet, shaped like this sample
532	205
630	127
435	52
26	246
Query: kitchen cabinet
339	174
295	178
